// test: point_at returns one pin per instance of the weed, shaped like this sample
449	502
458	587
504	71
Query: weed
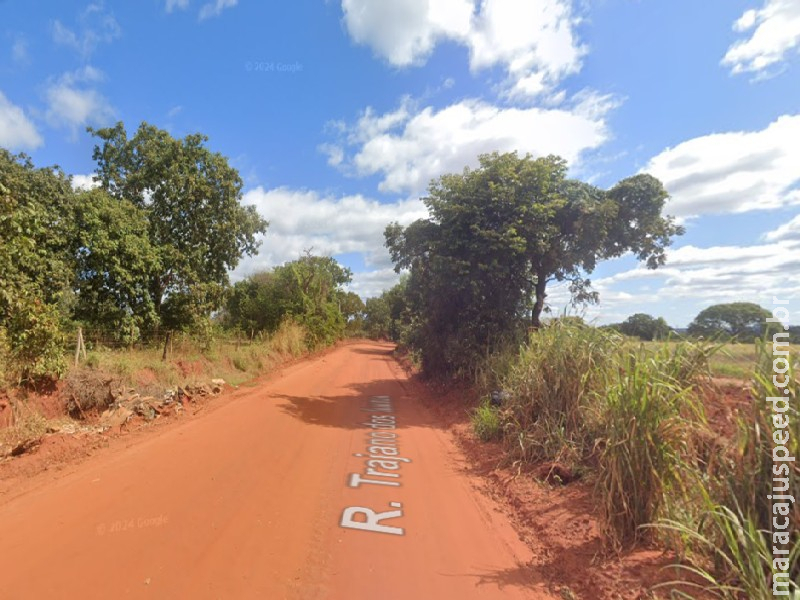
486	422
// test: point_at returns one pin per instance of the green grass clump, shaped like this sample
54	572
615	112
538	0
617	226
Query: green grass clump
486	422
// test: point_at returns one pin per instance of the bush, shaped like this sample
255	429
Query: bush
486	422
36	343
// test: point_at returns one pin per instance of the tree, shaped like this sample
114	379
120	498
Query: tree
737	320
645	327
196	225
308	289
498	235
35	265
114	264
386	315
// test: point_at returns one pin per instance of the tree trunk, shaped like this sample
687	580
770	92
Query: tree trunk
541	286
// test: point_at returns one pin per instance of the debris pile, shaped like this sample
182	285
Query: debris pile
126	403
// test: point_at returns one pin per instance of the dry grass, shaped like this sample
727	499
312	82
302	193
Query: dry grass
192	361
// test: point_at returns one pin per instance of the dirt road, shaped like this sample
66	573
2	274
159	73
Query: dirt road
330	480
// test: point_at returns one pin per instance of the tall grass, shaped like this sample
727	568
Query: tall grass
550	382
736	513
648	415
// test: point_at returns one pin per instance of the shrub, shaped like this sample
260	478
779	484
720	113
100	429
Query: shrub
486	422
36	343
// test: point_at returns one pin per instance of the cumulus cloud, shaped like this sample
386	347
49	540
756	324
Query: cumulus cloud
408	146
733	172
72	102
713	275
774	34
17	131
95	26
301	220
369	284
533	41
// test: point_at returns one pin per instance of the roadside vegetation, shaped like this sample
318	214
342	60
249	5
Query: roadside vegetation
624	407
127	284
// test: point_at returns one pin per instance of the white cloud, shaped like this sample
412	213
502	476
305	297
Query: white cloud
789	231
73	103
532	40
369	284
95	26
16	130
177	4
214	9
697	277
300	220
775	35
733	172
84	182
404	32
409	147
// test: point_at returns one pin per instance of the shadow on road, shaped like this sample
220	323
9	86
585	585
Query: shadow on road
386	350
348	410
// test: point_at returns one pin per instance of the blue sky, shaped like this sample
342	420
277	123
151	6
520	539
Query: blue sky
338	114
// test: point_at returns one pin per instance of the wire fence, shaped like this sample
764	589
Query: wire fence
170	342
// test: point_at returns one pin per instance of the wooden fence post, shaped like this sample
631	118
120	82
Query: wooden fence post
78	344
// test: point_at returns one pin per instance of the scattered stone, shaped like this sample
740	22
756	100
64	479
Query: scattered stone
115	417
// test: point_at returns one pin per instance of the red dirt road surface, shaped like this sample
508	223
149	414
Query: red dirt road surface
266	496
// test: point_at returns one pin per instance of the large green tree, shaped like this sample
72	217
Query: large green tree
386	316
498	235
740	320
644	326
191	198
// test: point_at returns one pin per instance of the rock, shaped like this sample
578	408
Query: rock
218	382
115	417
499	397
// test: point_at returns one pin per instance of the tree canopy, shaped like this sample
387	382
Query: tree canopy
196	225
740	320
644	326
308	290
498	235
